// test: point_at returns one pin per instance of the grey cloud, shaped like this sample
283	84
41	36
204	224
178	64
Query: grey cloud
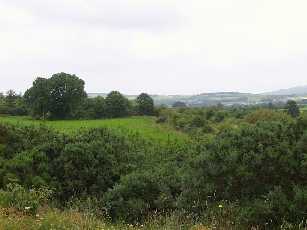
149	46
118	14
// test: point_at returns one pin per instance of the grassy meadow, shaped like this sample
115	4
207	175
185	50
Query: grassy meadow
145	126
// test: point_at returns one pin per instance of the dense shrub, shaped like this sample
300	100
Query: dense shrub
143	193
266	115
257	165
250	170
88	163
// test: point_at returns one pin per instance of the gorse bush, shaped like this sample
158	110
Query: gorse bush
94	163
257	165
251	172
140	194
88	163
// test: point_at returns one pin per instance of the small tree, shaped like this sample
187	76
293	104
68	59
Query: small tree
292	108
66	94
11	98
116	105
145	104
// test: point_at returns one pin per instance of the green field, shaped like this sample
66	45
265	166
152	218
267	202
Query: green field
144	126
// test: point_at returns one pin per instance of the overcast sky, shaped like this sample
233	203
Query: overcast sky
156	46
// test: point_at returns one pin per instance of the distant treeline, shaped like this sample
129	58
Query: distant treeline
63	97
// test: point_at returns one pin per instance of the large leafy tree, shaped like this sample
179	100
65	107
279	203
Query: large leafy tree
145	104
58	97
66	94
116	105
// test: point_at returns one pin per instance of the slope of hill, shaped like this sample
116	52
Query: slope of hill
298	91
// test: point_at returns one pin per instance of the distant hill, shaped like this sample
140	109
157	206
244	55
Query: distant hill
297	91
210	99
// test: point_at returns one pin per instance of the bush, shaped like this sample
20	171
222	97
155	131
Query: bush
86	169
133	198
144	193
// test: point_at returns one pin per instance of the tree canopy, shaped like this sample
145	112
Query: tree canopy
57	97
116	105
145	104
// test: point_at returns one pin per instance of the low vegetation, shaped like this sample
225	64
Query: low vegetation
186	168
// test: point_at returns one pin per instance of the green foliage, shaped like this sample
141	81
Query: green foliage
145	104
292	108
12	104
262	115
57	97
91	108
133	198
88	163
196	122
141	126
99	107
87	168
256	165
66	93
144	192
239	168
91	163
116	105
63	97
38	96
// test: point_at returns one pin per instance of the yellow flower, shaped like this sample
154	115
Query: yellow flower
220	206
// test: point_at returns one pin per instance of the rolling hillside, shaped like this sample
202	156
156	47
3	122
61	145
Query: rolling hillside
210	99
297	91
